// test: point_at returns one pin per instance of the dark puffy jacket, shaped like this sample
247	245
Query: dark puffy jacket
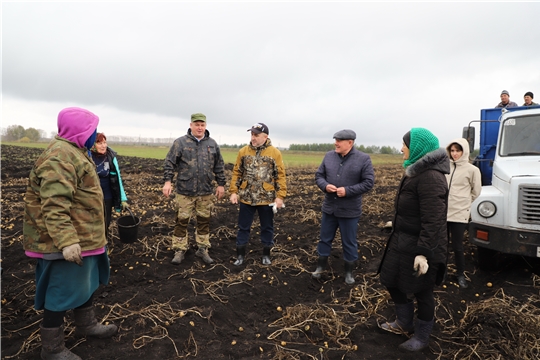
354	172
419	226
198	164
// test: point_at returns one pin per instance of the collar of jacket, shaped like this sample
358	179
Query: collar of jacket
263	146
436	160
206	135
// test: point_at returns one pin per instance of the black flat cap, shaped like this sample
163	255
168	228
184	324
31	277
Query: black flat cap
345	135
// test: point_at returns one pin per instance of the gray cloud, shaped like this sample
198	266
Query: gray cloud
305	69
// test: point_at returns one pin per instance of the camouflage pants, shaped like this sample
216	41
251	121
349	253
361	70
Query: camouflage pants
202	206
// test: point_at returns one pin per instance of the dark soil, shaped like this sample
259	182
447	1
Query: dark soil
253	311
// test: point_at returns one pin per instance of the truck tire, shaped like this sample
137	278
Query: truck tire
488	259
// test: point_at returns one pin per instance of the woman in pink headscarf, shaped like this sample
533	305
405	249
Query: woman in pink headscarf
64	230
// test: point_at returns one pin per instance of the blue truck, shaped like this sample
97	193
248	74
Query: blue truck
505	218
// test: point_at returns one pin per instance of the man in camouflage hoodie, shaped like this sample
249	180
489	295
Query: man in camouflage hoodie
197	158
258	180
64	230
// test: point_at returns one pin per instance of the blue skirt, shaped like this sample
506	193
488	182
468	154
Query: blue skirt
62	285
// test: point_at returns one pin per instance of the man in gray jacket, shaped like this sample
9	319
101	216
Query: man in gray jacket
344	176
197	158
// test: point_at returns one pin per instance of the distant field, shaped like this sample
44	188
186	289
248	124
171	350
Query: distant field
290	158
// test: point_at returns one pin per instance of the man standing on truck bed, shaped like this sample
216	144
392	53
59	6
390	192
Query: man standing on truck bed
505	101
528	97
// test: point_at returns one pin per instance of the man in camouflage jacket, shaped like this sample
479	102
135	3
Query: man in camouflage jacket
258	180
197	158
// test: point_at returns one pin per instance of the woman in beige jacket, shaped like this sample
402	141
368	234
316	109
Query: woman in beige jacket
465	184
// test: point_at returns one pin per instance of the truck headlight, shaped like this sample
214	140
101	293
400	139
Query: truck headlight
487	209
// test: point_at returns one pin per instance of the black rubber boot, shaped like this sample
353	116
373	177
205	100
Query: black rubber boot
404	323
240	255
420	339
349	277
462	281
87	325
321	266
53	346
266	256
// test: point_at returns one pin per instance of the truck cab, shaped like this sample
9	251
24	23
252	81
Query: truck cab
505	218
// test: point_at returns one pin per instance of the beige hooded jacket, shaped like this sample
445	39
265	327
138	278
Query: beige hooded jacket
464	182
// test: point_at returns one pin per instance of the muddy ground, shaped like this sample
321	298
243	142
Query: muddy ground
255	311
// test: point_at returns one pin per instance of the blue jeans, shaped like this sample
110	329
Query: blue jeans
245	219
347	228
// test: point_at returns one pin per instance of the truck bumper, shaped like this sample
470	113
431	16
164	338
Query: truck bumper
508	241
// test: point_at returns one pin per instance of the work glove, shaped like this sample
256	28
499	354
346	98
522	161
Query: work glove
124	205
274	207
420	265
72	253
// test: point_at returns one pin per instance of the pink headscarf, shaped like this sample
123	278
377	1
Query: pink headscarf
77	125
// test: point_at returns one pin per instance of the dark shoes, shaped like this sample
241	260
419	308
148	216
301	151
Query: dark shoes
404	323
462	282
87	325
178	257
420	339
266	256
240	255
202	252
321	265
53	346
349	277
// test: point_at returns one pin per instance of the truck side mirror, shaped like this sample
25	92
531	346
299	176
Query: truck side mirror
469	133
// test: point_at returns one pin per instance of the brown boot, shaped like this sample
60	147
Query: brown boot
178	257
52	345
202	252
87	325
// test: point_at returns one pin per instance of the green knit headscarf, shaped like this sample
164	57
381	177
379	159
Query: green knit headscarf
422	141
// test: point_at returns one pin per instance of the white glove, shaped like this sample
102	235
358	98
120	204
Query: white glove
274	207
420	265
72	253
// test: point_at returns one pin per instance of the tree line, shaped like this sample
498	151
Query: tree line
19	133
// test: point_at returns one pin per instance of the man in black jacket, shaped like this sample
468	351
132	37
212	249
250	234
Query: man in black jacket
197	158
344	176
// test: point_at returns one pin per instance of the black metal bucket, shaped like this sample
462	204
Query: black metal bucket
128	227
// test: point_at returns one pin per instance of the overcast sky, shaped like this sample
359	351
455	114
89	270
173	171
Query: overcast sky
306	69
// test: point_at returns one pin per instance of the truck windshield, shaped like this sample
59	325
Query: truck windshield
520	136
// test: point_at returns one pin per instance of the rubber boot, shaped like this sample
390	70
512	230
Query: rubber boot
349	277
53	346
240	255
420	339
87	325
462	282
202	252
266	256
178	257
404	323
321	265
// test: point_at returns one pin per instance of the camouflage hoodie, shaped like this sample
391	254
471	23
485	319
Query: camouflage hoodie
259	175
64	201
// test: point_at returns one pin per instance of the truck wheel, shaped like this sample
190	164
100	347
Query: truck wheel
488	260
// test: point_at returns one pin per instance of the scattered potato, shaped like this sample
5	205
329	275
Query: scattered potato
489	284
279	308
233	342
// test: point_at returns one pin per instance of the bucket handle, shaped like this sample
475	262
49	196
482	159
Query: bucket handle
133	216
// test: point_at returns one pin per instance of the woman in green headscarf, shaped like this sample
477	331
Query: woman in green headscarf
415	257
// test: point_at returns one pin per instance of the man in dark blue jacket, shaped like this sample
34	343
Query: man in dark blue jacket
344	176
